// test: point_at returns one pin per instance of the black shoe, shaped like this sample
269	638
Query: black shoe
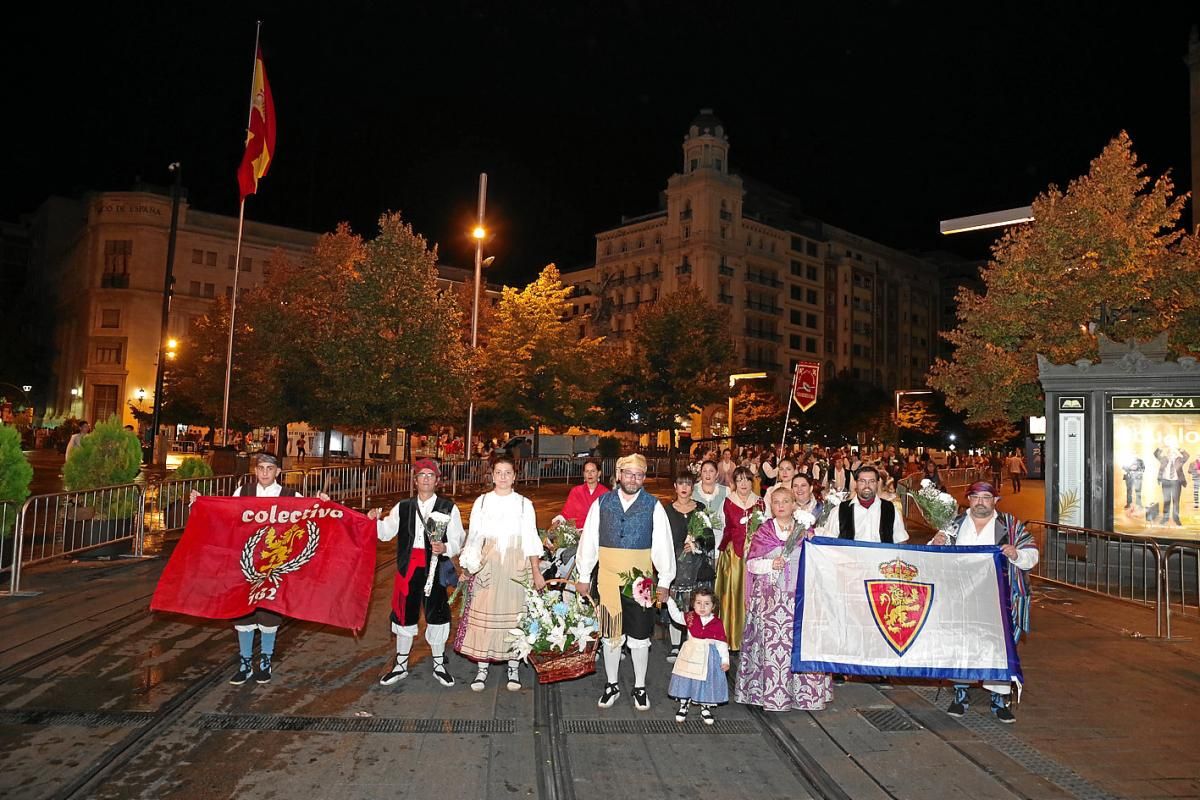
245	670
673	655
839	680
960	705
440	673
398	672
263	673
1001	711
641	700
611	692
682	712
706	715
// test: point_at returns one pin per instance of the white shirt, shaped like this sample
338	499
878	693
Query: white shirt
662	547
866	523
388	527
506	520
271	491
1027	557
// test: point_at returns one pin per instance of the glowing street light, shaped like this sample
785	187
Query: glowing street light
992	219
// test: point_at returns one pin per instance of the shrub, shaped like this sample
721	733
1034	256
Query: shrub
608	447
15	475
188	468
108	456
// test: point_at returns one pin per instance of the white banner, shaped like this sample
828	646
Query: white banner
866	608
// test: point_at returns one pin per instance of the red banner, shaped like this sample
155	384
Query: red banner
297	556
808	381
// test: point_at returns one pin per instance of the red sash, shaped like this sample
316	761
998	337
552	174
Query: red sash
400	588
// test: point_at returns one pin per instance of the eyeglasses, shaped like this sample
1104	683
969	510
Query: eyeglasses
981	497
637	476
426	475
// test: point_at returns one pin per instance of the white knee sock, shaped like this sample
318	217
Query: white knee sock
641	658
676	636
437	635
612	662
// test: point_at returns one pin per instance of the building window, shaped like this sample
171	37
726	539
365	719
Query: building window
104	403
857	350
210	290
811	320
194	289
210	258
108	353
117	254
795	341
695	163
810	345
229	293
197	256
687	231
717	164
829	347
245	263
110	318
811	297
797	268
810	248
797	293
796	317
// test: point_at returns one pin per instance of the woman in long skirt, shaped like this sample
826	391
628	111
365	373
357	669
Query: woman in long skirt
739	505
502	549
764	675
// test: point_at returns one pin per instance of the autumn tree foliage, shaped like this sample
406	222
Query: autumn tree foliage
678	363
535	370
1108	250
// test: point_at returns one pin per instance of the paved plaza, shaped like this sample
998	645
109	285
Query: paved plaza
101	698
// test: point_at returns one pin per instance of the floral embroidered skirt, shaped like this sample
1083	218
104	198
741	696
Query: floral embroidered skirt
764	675
494	604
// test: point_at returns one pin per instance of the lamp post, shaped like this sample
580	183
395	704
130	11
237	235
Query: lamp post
478	234
992	219
733	379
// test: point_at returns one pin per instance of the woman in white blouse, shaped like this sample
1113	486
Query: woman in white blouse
502	549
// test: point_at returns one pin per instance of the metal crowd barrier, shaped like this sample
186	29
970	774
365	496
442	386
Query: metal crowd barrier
8	539
51	526
1103	562
1182	583
168	503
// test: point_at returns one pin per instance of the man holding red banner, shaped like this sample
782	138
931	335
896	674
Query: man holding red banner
429	532
264	484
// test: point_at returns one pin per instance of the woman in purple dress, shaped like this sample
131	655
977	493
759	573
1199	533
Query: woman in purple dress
764	675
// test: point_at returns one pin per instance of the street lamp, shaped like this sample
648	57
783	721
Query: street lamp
733	379
992	219
478	234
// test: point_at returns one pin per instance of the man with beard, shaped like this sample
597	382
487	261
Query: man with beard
866	518
983	525
626	530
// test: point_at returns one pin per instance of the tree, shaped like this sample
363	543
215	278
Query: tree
15	476
682	355
757	413
1108	250
535	369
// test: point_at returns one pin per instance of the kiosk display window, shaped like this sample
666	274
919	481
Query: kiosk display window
1156	466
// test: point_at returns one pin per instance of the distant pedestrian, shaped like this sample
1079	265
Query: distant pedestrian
981	524
77	439
300	449
1014	465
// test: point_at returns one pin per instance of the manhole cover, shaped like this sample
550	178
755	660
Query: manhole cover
888	720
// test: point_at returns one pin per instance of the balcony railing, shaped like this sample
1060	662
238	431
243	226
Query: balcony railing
768	336
765	280
727	216
114	280
766	308
724	270
683	269
727	299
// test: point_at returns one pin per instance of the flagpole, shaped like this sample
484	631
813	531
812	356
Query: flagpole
237	257
787	417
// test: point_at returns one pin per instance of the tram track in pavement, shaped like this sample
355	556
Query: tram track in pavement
168	714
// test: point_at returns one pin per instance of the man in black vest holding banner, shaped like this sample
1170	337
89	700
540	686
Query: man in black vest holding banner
866	518
423	568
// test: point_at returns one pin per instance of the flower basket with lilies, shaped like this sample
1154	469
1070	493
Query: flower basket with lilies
556	632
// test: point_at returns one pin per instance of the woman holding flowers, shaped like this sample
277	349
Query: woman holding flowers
764	676
501	553
739	511
692	536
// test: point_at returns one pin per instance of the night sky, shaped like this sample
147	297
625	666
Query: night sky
881	118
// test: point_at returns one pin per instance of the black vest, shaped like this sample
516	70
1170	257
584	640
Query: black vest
887	519
408	527
250	488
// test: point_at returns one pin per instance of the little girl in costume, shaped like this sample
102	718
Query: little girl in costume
698	676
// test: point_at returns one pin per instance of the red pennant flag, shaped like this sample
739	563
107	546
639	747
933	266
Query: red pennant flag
297	556
260	137
808	377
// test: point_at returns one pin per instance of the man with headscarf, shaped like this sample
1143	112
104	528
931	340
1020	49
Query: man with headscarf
981	524
626	530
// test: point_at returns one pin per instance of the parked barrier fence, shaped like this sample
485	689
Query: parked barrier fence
1181	583
51	526
951	478
8	524
1103	562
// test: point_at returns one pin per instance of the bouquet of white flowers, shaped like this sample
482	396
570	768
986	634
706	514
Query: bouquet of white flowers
939	508
435	532
700	529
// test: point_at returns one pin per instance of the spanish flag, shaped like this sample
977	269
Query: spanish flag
260	136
